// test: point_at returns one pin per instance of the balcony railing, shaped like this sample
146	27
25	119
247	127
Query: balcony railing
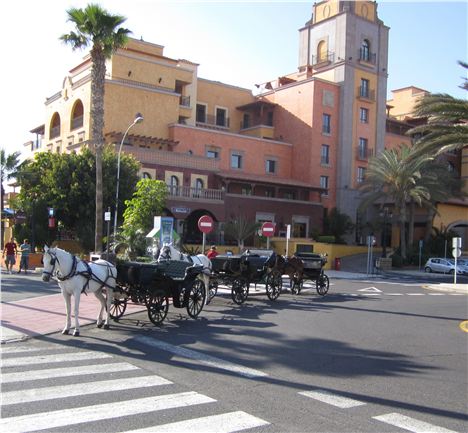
363	153
250	124
184	101
195	193
211	120
77	122
329	57
366	93
54	132
366	56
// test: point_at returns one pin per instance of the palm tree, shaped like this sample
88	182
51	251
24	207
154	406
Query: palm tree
240	228
446	128
97	28
8	167
395	175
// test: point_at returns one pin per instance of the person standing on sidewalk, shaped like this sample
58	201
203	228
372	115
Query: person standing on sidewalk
25	249
10	250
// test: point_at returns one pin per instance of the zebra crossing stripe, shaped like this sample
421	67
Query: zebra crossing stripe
410	424
67	417
212	361
224	423
66	372
15	349
46	359
333	399
87	388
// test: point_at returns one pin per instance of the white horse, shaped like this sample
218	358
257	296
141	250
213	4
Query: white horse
169	252
75	277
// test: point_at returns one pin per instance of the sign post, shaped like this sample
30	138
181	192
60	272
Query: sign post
268	230
288	235
107	217
205	225
456	252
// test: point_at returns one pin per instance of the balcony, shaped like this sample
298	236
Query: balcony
367	57
213	122
366	93
363	153
188	193
54	132
320	61
77	122
184	101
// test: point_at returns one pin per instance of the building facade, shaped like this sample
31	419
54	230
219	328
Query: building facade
288	154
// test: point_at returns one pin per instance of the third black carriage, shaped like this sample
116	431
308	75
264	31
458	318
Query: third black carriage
241	270
313	264
153	284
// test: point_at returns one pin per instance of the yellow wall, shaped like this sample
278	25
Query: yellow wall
325	9
404	100
449	214
365	9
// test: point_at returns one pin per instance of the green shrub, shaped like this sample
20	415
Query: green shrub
326	239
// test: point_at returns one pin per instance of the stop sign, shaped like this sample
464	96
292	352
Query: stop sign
268	229
206	224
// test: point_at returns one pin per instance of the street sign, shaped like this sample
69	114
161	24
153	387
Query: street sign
205	224
268	229
51	223
107	216
456	252
456	242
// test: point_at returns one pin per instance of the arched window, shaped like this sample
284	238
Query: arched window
174	185
321	51
77	116
365	50
146	175
54	130
199	184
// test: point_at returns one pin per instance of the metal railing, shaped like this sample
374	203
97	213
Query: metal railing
212	120
364	153
77	122
329	57
54	132
184	101
366	93
190	192
367	56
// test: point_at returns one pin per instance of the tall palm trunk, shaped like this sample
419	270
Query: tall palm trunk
429	220
402	221
97	114
411	223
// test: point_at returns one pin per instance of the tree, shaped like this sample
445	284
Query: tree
396	175
148	201
99	29
446	128
8	166
239	228
337	224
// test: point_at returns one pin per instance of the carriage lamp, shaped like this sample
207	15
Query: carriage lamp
138	119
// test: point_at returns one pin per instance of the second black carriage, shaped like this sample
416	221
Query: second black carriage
240	271
153	285
313	270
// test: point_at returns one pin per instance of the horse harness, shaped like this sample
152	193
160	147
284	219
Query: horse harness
87	274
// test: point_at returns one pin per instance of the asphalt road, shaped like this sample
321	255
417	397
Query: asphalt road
379	356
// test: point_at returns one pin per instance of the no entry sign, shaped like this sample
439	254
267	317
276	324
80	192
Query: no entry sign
268	229
205	224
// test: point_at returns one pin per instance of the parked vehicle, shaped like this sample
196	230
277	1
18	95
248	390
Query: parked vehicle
446	266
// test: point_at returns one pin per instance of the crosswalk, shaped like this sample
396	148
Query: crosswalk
35	378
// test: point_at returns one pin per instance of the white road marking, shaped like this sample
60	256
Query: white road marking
46	359
333	399
436	294
66	417
66	372
394	294
415	294
212	361
224	423
410	424
371	294
14	349
370	289
73	390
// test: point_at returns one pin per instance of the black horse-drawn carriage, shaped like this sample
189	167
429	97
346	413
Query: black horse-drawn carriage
313	264
240	271
153	285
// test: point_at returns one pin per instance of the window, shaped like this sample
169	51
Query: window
270	166
451	167
364	89
54	126
174	185
361	173
246	121
236	160
146	175
362	150
221	117
77	115
325	154
270	118
364	115
326	123
289	195
365	50
321	51
212	154
324	184
246	190
201	113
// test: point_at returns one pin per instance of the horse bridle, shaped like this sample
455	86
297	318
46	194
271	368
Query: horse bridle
54	259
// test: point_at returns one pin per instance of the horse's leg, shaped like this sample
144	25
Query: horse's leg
77	295
109	300
102	301
66	298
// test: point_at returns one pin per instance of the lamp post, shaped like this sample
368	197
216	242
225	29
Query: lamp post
385	214
138	119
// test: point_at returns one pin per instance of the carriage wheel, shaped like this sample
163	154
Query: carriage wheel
322	284
213	289
274	284
117	309
158	306
239	291
196	298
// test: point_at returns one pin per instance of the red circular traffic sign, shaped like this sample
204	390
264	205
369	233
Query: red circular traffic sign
268	229
206	224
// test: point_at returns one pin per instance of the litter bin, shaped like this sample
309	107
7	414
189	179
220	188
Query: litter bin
337	263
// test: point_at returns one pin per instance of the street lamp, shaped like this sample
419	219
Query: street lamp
138	119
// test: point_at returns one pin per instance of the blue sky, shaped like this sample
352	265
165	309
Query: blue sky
237	42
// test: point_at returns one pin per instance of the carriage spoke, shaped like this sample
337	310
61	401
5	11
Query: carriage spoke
158	307
118	308
196	298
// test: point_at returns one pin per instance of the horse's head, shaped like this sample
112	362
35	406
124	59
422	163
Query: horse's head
271	261
50	261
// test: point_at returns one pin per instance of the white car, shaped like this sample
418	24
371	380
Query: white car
446	266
